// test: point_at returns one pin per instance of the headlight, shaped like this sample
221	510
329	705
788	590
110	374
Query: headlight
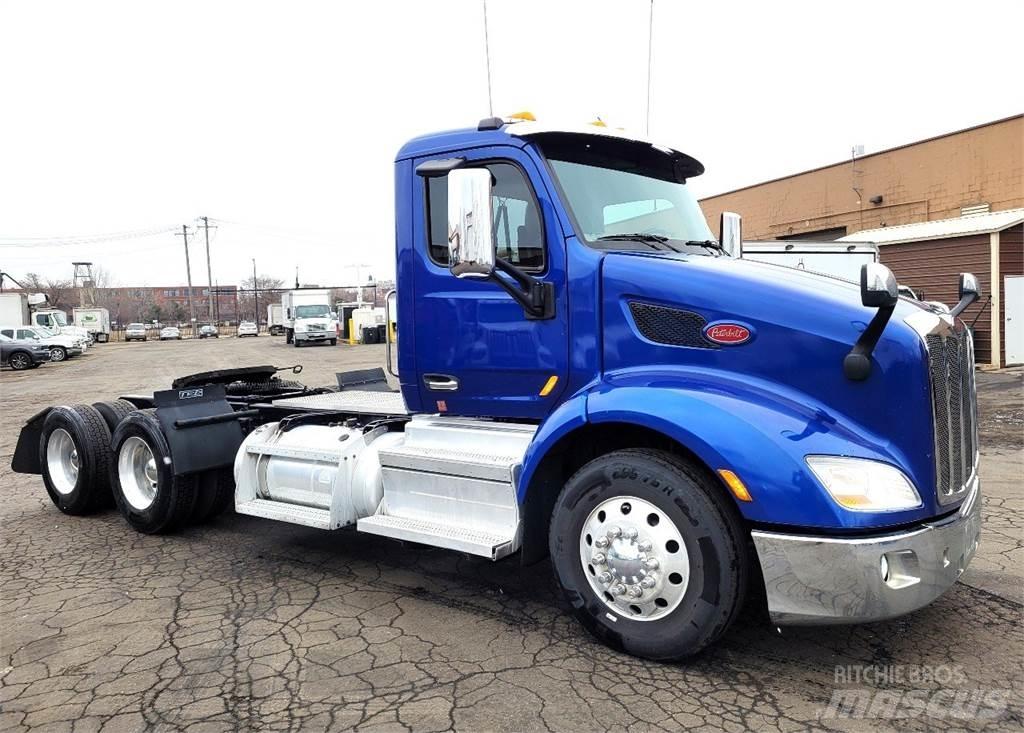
861	485
300	327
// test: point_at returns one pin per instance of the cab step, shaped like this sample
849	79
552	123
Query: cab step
472	542
282	512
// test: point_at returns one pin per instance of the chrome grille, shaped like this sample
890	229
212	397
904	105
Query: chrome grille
951	369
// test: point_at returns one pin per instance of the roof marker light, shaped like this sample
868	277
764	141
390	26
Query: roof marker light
524	115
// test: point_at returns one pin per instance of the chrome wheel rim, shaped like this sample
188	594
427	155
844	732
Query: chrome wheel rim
56	355
136	473
62	461
634	558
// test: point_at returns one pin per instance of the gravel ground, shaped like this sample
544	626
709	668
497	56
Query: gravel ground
245	624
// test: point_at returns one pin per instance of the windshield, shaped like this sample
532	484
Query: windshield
630	190
60	318
135	326
312	311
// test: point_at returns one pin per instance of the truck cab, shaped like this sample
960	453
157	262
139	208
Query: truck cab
57	320
586	373
308	318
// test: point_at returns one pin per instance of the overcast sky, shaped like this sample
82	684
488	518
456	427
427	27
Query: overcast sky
281	120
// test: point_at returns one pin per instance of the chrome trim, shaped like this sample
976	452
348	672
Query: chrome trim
928	323
811	580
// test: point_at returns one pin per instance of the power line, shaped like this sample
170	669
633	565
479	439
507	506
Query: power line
68	240
650	55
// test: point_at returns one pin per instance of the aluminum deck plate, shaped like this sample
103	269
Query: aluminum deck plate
357	402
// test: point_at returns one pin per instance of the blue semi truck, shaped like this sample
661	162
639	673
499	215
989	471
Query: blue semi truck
586	373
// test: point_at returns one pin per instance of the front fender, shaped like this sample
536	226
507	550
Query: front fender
761	431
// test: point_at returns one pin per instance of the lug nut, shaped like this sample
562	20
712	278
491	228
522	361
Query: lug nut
635	591
614	533
649	581
601	542
630	534
617	590
651	563
605	578
644	546
599	559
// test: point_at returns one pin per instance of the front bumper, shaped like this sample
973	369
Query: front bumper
812	580
314	335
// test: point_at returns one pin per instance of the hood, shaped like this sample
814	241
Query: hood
801	326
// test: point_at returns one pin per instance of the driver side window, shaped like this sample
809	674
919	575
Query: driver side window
518	227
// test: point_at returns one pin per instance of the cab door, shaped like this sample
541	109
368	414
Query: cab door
476	352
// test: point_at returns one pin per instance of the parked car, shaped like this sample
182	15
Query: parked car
60	345
208	331
170	333
247	328
135	332
22	354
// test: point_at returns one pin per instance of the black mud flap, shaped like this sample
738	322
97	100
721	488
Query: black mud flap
26	452
202	445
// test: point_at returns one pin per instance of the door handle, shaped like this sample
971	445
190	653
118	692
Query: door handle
441	382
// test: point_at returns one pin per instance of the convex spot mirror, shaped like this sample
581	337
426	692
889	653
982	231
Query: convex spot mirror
878	286
470	228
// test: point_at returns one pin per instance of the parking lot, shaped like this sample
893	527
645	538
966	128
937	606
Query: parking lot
245	624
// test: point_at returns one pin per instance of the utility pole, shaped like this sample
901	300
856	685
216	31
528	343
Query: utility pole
209	271
188	271
255	296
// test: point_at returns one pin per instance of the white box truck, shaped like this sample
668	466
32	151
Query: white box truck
275	319
94	320
14	308
308	317
28	309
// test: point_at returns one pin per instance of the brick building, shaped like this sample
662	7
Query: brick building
954	183
170	303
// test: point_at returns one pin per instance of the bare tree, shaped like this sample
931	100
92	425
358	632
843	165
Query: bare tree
268	288
59	293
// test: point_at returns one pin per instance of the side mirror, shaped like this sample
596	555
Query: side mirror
878	286
730	234
970	291
969	286
470	228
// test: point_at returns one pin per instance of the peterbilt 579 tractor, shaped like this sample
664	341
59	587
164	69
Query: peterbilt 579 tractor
586	373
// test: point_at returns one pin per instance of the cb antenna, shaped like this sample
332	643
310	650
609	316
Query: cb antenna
650	56
487	54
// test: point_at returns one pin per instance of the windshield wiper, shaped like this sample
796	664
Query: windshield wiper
706	243
651	239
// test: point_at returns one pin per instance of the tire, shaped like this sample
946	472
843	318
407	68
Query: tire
74	459
114	412
297	343
698	587
149	496
289	336
58	353
216	491
334	342
20	360
103	338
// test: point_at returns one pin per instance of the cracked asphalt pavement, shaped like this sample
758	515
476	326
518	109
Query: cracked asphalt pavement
246	624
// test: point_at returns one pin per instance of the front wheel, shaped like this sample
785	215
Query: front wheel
58	353
20	360
649	553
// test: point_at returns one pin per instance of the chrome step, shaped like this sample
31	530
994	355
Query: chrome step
282	512
452	462
472	542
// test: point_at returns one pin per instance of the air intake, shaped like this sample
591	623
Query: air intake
671	326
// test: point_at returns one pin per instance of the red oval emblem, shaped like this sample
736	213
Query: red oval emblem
730	334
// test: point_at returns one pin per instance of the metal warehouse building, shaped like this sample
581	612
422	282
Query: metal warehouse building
936	207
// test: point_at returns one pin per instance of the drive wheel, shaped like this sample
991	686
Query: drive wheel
74	458
114	412
58	353
216	491
649	553
148	494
